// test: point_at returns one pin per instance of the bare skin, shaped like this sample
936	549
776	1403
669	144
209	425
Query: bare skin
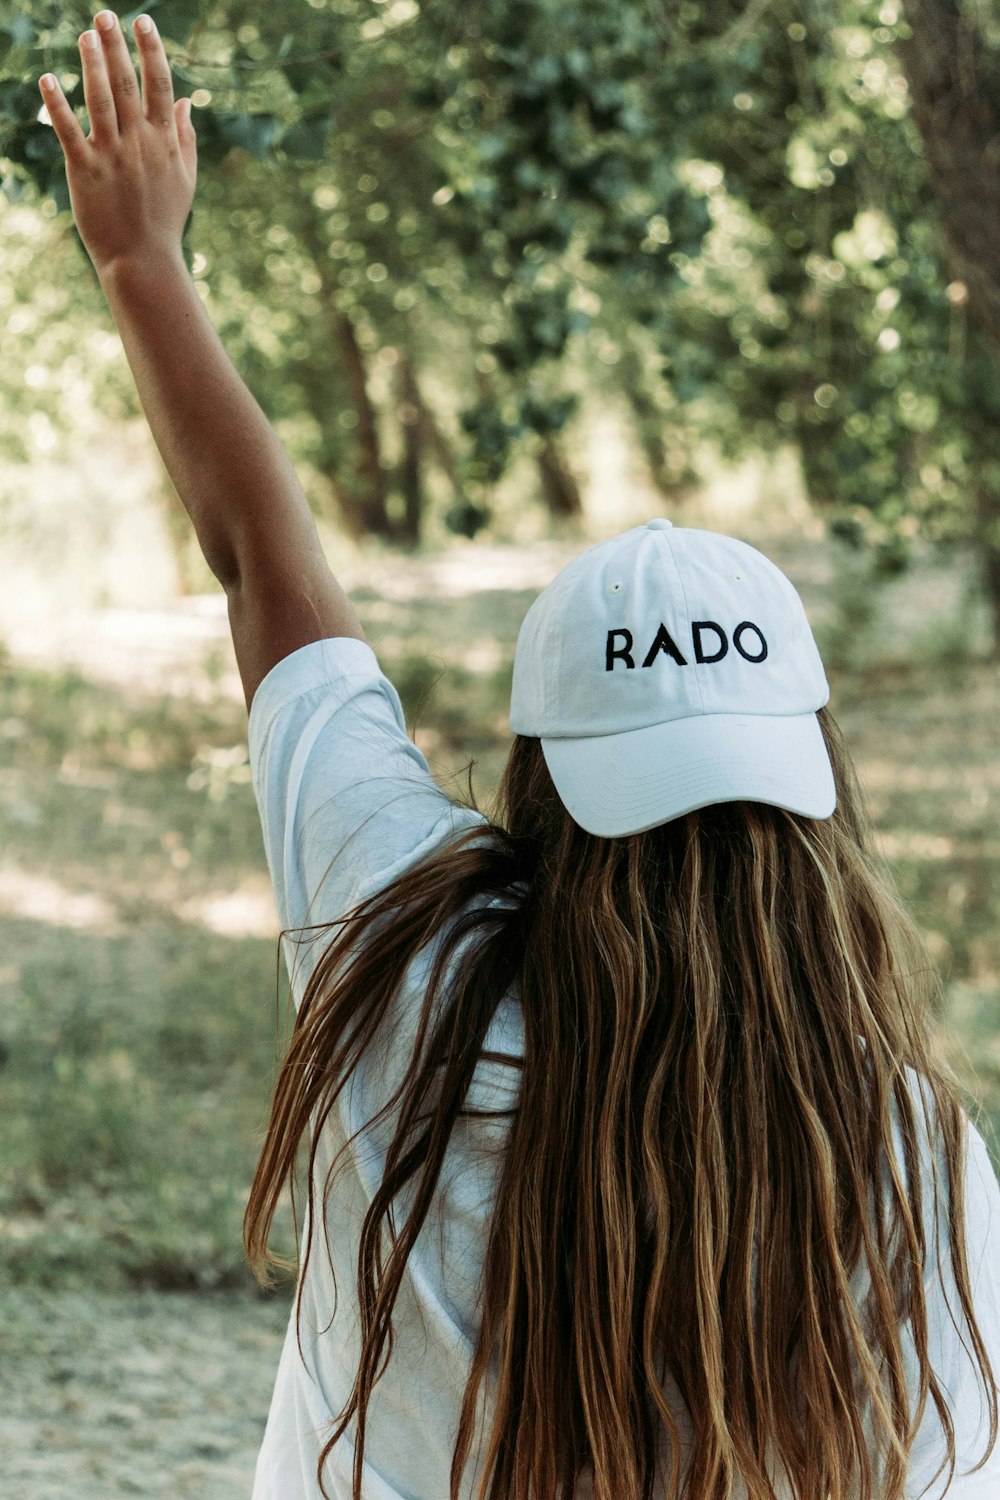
132	183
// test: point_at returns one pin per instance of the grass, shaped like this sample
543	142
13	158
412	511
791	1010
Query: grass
923	736
137	1044
137	971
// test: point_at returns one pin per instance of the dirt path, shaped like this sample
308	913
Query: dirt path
142	1393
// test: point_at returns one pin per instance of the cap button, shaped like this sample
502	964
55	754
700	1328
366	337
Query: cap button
659	523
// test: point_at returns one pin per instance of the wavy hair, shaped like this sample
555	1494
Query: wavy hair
701	992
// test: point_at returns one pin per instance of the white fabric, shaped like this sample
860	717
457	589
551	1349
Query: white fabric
620	782
638	649
347	801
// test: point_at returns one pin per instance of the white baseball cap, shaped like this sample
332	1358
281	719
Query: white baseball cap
667	669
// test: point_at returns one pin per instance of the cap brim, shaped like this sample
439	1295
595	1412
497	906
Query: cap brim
616	784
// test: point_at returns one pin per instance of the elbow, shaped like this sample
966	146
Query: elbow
223	563
221	546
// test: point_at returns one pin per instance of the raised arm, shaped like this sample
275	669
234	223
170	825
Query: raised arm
131	185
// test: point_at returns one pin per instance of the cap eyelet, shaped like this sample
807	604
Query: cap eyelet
615	588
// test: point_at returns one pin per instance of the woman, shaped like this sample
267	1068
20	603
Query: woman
631	1171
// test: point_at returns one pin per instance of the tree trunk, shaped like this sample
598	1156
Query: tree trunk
987	510
954	82
363	506
435	441
374	516
411	466
559	487
348	504
648	420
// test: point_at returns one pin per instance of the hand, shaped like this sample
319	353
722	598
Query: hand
132	179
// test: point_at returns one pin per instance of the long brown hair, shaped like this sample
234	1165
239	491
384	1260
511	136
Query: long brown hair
701	1160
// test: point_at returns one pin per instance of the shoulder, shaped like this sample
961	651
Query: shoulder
347	800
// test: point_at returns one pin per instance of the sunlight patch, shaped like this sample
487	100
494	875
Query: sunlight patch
246	912
41	899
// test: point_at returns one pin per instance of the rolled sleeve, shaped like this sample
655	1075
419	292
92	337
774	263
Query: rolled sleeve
346	800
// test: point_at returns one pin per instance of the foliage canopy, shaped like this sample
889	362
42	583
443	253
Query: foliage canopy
723	214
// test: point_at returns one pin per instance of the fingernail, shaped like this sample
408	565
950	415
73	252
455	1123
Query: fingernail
48	80
144	23
89	39
105	19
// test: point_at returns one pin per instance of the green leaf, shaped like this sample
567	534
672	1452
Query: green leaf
42	144
17	60
57	187
252	133
314	77
307	138
14	189
21	29
176	18
18	101
547	416
465	519
29	145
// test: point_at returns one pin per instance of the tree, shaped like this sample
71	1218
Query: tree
455	189
822	309
725	212
954	79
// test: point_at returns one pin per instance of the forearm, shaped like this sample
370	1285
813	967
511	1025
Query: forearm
131	183
224	459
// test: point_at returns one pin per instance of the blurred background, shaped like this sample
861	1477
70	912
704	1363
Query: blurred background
507	278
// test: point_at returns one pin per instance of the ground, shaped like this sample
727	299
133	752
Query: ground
147	1393
137	968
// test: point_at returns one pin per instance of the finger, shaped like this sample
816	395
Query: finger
97	93
64	122
121	70
157	85
187	136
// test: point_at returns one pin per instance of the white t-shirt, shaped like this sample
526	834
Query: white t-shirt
346	803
